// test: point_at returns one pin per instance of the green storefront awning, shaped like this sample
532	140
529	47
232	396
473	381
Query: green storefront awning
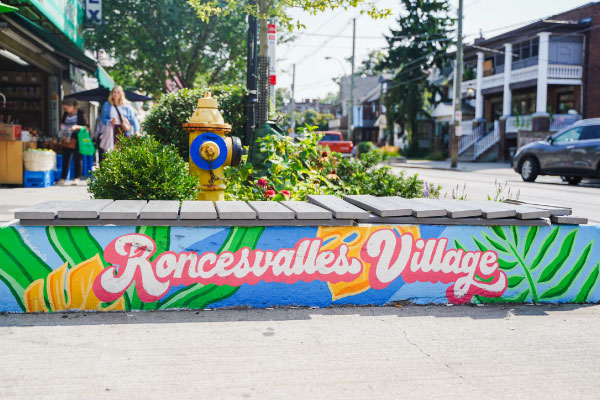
63	47
104	78
6	8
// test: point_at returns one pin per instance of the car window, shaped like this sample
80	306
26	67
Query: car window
569	136
330	137
591	132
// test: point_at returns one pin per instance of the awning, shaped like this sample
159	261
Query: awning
61	46
104	78
6	8
100	94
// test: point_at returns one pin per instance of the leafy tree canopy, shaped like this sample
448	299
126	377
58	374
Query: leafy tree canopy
156	40
415	49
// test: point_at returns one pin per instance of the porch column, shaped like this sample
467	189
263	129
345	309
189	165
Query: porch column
507	96
541	118
478	95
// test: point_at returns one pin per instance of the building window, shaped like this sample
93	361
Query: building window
526	49
535	46
565	102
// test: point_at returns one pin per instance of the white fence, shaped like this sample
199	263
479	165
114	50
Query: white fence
560	121
518	123
487	141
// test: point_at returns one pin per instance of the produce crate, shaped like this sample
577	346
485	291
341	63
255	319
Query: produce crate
38	178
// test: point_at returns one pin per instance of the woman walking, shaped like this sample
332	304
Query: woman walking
118	114
72	121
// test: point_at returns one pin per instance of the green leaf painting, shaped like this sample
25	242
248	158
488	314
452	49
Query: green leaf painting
19	265
543	264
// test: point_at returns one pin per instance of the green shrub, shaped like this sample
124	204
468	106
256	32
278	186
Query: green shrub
141	168
365	147
165	121
437	156
300	168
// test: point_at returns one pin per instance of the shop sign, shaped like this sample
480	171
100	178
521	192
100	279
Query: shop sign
66	15
93	12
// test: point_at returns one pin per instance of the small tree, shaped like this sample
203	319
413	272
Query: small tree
414	49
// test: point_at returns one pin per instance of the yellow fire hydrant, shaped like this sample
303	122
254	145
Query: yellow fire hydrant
210	149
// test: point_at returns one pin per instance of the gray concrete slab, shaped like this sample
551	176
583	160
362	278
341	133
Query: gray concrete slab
413	352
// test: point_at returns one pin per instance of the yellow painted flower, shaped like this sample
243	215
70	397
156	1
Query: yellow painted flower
354	238
75	284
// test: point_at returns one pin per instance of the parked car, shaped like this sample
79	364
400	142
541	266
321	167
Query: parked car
572	153
335	142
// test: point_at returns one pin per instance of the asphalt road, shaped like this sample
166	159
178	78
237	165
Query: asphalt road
432	352
481	181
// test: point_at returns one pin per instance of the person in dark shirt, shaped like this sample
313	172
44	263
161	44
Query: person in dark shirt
72	121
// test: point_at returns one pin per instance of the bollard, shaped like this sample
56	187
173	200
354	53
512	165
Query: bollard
210	149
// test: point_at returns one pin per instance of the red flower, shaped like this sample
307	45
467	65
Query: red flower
270	193
262	182
286	193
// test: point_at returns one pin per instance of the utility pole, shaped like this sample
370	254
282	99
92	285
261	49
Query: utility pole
457	117
293	101
251	77
351	115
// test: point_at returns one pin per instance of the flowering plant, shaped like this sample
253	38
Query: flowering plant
298	168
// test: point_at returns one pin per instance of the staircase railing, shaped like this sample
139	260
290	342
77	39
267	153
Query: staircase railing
487	141
467	141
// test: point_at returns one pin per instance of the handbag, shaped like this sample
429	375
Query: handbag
125	124
107	139
69	143
86	147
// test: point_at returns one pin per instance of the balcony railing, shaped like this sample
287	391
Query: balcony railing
555	71
561	121
518	123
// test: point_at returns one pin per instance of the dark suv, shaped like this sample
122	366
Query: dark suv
572	153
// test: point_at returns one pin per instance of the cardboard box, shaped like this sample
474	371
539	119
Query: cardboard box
11	162
10	132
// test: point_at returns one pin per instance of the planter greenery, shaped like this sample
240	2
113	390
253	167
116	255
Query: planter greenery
141	168
165	121
297	169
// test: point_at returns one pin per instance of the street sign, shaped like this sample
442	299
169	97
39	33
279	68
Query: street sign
458	115
93	12
458	130
272	37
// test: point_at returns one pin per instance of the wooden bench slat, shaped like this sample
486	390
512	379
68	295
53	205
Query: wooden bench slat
89	208
338	207
568	220
45	210
160	209
234	210
271	210
419	209
379	205
305	210
196	209
456	208
123	209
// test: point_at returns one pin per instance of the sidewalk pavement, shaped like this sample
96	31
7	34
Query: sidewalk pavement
445	165
16	198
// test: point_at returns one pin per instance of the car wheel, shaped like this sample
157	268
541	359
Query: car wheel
572	180
529	169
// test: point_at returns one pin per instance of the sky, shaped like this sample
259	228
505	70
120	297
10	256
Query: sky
329	34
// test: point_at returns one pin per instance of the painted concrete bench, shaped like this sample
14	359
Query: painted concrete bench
360	250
